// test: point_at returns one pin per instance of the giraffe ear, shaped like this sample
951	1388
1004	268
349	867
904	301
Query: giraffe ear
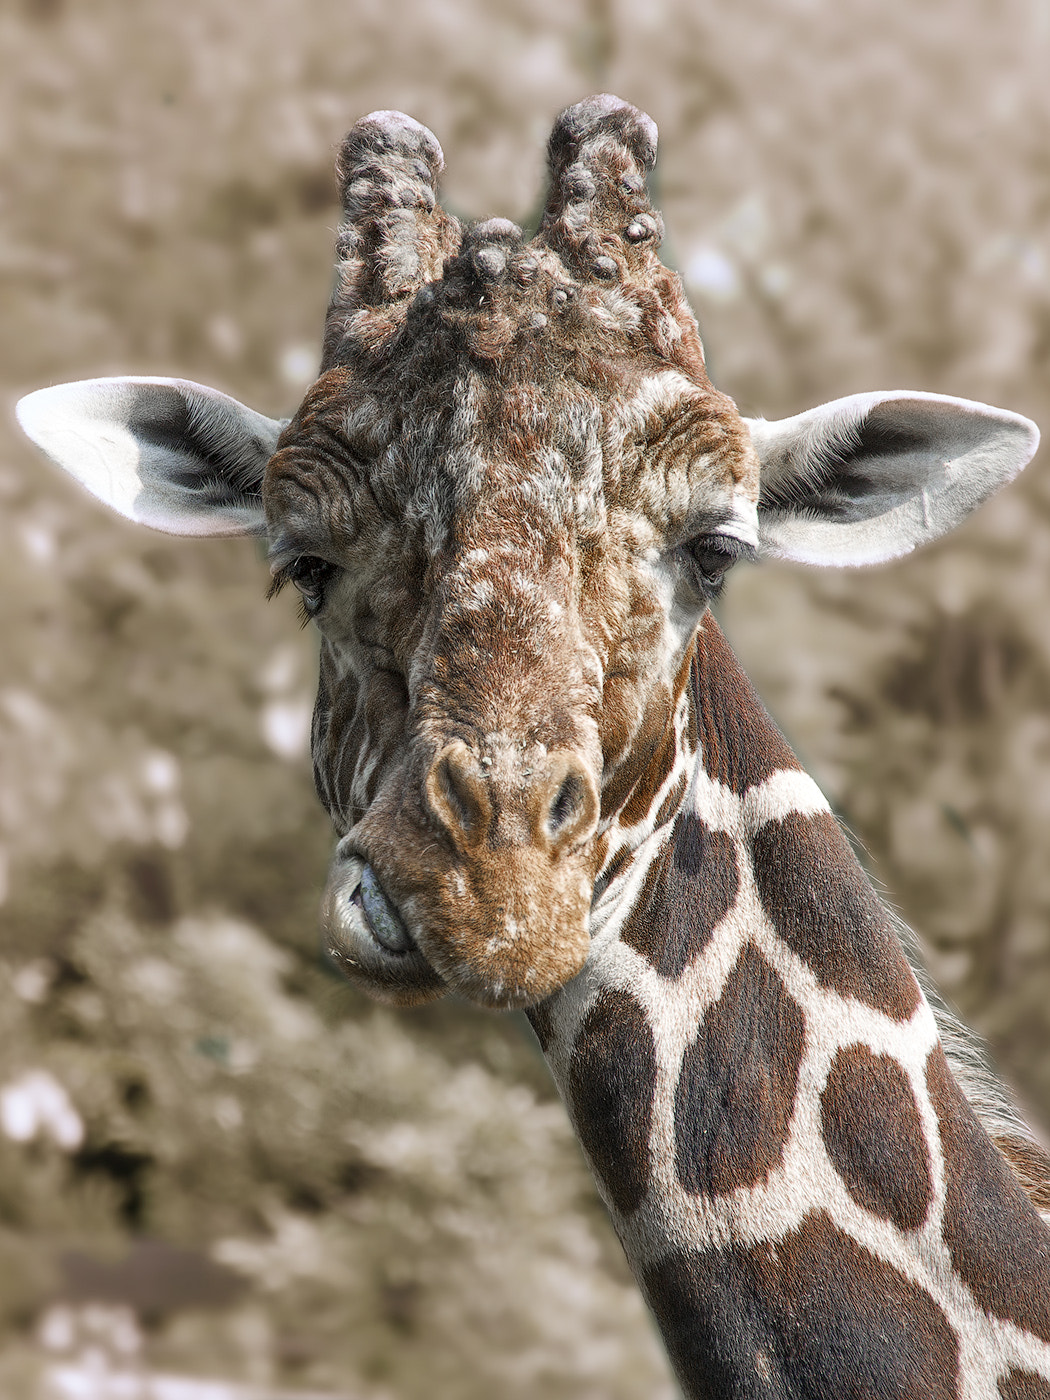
869	477
164	452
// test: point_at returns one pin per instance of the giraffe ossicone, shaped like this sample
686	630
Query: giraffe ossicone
507	503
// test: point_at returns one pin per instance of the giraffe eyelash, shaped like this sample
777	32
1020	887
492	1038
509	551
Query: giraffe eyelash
311	575
725	550
277	583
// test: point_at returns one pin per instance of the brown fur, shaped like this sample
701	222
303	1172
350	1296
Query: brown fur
874	1136
822	905
736	1092
688	888
997	1242
814	1315
1023	1385
612	1084
739	742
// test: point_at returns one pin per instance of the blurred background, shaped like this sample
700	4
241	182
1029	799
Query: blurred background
216	1162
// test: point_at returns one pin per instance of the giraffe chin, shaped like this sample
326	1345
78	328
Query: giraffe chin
498	951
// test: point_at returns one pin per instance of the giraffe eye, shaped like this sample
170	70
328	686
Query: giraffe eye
311	576
710	557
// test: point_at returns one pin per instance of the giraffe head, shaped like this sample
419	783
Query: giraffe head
506	503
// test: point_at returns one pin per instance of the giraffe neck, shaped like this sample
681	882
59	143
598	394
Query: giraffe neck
803	1192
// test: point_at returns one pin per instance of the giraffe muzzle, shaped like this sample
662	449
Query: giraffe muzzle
476	880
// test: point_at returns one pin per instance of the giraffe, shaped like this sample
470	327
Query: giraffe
507	503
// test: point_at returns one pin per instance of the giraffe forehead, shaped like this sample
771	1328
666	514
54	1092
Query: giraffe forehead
525	462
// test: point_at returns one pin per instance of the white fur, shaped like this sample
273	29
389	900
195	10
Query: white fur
93	430
816	510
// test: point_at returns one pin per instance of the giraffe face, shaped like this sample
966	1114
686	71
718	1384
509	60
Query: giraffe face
506	555
506	503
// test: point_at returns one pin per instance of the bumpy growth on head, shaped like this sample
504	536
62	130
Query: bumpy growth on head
507	502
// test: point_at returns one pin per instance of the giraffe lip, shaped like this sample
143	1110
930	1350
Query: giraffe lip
358	910
380	914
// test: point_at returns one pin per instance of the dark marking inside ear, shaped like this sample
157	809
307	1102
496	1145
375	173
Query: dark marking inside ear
874	1136
162	419
878	439
739	743
811	1316
689	887
204	449
736	1090
848	477
1023	1385
612	1083
997	1241
821	904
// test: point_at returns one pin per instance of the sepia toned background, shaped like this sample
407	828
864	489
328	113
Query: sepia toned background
215	1161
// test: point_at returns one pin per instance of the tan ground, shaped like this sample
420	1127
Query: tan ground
381	1205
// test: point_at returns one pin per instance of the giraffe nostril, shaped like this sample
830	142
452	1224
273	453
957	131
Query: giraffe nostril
457	794
460	795
572	813
566	804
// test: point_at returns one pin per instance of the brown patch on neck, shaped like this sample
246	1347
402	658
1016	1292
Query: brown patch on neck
611	1092
646	751
1023	1385
822	905
739	743
541	1019
998	1244
813	1314
874	1136
689	887
736	1091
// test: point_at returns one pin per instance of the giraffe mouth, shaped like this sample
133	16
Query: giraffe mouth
407	921
358	901
366	937
385	924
